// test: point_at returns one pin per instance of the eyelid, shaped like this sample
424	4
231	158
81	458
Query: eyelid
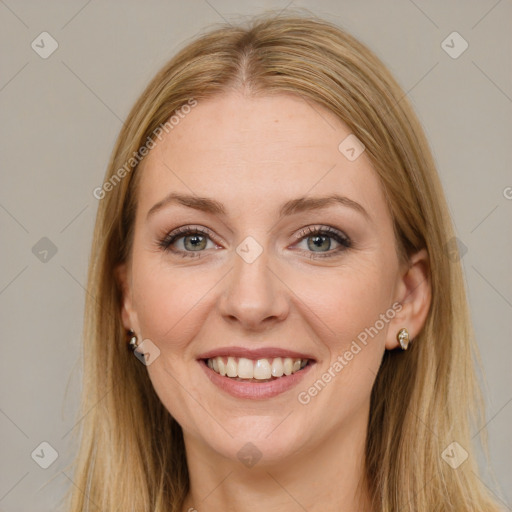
190	229
339	236
165	242
320	228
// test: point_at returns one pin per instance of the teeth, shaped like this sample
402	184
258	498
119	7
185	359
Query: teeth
231	367
245	368
221	365
277	367
262	369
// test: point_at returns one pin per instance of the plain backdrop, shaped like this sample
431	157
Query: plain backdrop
60	116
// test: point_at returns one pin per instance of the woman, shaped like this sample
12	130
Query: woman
271	244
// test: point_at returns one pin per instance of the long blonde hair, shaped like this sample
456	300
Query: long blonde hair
131	454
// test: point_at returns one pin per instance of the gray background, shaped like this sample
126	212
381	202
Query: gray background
61	115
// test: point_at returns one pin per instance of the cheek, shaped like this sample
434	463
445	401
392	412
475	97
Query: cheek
170	300
355	308
348	299
355	311
363	301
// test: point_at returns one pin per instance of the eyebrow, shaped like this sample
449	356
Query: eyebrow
292	206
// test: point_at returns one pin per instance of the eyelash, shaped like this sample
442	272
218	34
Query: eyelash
344	241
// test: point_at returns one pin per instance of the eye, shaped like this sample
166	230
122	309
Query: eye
319	241
190	241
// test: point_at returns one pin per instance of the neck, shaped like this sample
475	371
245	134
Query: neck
328	476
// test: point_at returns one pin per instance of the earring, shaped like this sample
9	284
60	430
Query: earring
133	340
403	338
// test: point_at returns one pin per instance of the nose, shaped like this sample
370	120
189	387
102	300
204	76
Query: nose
254	297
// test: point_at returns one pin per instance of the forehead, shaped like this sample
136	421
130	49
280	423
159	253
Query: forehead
249	152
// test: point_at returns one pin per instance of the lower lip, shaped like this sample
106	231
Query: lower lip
255	390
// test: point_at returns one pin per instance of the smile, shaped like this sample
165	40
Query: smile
262	370
262	385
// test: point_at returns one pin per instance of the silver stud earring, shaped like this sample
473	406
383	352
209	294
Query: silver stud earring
133	340
403	338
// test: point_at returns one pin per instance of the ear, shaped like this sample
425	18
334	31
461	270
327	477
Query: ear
414	293
128	314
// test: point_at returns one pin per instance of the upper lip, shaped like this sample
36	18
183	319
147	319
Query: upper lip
255	353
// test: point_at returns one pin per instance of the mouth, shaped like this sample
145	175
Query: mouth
255	373
259	370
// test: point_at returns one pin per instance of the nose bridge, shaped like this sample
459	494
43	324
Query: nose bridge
253	295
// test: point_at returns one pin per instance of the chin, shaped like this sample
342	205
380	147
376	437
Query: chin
259	442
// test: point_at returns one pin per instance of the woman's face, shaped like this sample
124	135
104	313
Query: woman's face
275	274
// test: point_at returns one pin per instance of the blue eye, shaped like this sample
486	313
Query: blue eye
195	241
320	238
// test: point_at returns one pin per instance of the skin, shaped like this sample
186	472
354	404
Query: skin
252	155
